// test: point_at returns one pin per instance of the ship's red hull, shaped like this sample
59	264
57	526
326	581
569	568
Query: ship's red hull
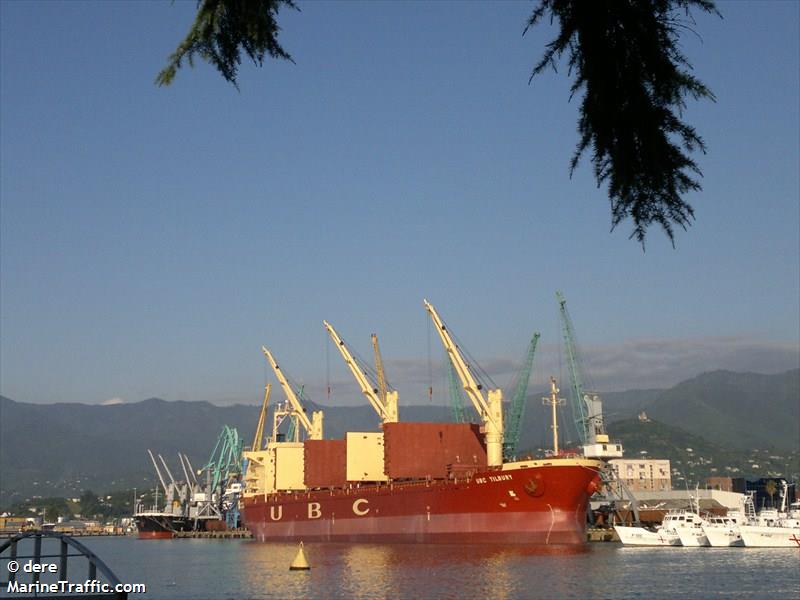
156	535
541	504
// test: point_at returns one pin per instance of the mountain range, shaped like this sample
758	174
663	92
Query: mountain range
60	449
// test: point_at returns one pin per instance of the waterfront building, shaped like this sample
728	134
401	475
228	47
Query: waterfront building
643	474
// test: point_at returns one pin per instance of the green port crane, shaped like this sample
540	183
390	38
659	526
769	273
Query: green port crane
226	458
223	474
580	401
516	410
587	406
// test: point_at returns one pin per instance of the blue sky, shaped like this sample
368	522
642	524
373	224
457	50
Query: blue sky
153	238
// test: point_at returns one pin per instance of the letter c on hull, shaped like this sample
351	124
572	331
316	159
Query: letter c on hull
272	514
357	507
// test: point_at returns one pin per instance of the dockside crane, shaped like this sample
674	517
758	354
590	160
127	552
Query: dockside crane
587	406
489	407
580	401
384	404
516	410
312	426
223	474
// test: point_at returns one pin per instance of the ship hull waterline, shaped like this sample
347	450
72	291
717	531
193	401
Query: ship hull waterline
539	502
159	526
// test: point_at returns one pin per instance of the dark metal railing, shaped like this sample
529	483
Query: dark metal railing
67	548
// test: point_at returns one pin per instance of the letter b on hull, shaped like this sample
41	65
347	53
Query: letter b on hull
314	510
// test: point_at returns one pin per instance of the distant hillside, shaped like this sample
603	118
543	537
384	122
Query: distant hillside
739	410
694	458
623	405
67	447
63	448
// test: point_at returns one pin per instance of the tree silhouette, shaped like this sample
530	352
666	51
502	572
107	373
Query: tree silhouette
223	29
624	56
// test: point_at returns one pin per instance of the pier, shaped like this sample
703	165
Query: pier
230	534
600	534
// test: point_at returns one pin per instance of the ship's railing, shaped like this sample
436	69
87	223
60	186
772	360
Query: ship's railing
49	563
366	488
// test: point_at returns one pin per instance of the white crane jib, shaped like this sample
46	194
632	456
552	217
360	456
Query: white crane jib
158	472
490	408
313	427
386	409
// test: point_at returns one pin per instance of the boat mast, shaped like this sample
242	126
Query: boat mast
554	401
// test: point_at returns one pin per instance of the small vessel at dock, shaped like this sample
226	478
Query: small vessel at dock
774	528
675	523
724	531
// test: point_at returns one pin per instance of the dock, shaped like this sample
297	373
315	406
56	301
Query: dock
231	534
601	534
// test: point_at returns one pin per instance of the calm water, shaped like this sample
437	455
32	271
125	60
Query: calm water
239	569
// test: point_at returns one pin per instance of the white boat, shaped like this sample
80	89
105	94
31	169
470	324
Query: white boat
774	530
724	531
640	536
666	534
693	534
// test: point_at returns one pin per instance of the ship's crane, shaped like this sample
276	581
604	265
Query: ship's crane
313	426
587	406
490	408
258	439
173	489
158	472
456	394
385	407
383	386
517	408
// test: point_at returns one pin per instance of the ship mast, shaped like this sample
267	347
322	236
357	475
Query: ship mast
554	401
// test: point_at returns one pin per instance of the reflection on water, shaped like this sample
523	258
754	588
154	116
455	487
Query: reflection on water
240	570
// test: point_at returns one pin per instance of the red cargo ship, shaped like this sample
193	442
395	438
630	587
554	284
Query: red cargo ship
411	482
530	502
